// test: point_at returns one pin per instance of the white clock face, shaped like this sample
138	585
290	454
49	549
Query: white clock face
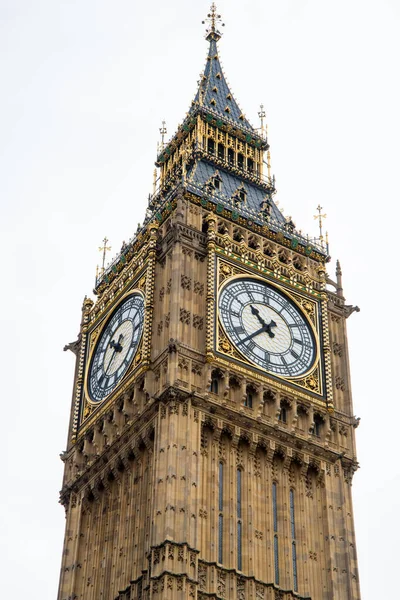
116	347
267	327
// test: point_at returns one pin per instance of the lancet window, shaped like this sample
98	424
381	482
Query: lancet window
220	512
293	535
239	517
275	524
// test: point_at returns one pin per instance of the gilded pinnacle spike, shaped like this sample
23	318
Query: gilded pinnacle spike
154	181
163	131
262	115
104	249
320	216
269	164
213	18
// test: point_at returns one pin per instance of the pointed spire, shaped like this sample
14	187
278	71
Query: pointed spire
214	93
339	279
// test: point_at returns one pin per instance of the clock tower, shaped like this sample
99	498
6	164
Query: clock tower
211	441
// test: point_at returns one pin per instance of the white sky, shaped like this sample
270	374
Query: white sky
85	86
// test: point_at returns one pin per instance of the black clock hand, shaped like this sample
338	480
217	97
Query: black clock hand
261	330
110	361
256	312
117	345
267	326
117	348
271	324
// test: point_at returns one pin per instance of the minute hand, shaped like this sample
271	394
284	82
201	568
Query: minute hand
261	330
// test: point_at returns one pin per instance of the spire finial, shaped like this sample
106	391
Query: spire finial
213	18
104	249
320	216
339	279
163	131
269	165
261	114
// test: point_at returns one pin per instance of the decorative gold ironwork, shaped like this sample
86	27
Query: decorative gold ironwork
213	18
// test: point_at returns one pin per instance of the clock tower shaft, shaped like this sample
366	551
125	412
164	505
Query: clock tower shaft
202	473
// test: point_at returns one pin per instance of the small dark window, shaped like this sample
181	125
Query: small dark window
231	156
283	415
318	422
221	151
242	195
249	400
214	385
240	161
217	183
250	164
210	146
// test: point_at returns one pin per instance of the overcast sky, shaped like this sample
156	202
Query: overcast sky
85	86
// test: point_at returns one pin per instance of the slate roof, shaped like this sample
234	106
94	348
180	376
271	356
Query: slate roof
202	171
215	92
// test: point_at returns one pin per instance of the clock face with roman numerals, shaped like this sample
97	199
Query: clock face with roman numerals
267	327
116	347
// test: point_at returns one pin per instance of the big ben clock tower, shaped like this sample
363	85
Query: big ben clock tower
211	442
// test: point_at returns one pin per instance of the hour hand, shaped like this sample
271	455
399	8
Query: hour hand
266	326
256	312
117	345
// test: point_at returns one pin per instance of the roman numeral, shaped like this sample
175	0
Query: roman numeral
284	306
239	330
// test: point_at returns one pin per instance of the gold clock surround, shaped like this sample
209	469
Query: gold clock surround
308	306
96	334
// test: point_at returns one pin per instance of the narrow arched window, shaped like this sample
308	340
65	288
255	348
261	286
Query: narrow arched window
220	511
239	518
276	541
317	426
214	385
249	398
283	415
293	534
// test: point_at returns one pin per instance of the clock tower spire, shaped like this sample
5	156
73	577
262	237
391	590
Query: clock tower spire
211	443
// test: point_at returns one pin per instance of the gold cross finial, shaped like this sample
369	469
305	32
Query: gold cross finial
104	249
163	131
320	216
213	18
